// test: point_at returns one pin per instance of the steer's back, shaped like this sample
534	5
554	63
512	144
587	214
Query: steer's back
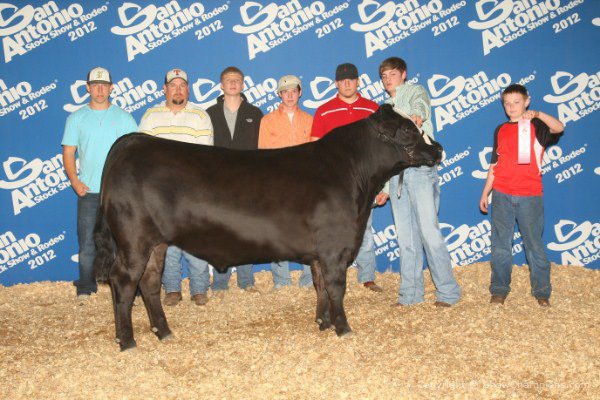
227	206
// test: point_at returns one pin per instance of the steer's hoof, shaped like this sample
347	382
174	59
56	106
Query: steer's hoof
323	325
343	331
128	346
161	335
168	337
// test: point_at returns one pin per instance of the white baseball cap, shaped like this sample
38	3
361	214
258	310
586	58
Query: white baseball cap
176	73
99	75
288	82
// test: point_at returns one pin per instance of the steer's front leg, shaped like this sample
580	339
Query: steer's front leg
323	317
335	285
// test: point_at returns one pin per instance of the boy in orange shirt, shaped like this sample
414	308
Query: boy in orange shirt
284	127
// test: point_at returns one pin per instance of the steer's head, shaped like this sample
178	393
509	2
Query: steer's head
415	147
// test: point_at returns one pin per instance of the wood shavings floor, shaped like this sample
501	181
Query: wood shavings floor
266	345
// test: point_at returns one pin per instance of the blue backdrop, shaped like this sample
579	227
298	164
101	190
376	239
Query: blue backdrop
463	52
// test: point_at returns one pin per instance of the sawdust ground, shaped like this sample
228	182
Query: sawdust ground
256	346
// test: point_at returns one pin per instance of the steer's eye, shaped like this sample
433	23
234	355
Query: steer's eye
407	135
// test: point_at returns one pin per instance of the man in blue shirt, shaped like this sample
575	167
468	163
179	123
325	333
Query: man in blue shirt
90	132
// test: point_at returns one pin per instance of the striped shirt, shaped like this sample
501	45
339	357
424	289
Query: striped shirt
191	125
337	112
413	99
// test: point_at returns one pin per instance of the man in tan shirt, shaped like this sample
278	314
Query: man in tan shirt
180	119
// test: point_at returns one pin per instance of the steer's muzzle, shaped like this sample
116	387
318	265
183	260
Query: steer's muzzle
438	152
428	152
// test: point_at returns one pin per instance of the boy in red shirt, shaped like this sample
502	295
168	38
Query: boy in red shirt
346	107
516	180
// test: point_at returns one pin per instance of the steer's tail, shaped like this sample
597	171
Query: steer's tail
105	248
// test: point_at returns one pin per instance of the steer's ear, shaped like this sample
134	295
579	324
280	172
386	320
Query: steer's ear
385	119
386	110
388	113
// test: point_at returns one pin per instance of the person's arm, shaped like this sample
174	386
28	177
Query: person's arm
554	124
418	120
487	188
316	130
206	126
263	133
71	169
489	182
145	124
420	105
130	125
381	198
256	128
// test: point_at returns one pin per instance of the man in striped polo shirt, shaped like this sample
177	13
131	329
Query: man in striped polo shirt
179	119
347	107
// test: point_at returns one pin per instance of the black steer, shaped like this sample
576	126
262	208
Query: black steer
308	203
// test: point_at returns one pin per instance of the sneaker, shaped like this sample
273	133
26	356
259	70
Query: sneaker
496	299
200	299
543	302
278	286
171	299
251	289
373	286
83	298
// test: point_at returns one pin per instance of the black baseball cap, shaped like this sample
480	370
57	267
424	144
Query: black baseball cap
346	71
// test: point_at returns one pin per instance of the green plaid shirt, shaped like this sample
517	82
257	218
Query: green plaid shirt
413	99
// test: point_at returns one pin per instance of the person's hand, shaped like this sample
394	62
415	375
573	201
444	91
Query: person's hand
531	114
418	120
483	203
80	188
381	198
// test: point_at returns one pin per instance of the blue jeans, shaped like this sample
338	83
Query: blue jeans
365	260
528	212
245	278
417	227
282	277
198	272
87	208
365	263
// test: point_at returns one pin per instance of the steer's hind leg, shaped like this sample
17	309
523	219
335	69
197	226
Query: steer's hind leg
323	318
150	286
124	278
335	284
